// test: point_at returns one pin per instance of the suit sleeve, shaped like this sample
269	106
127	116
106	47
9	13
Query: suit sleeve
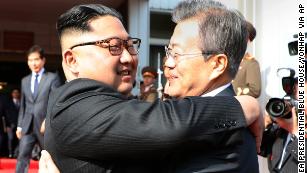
101	127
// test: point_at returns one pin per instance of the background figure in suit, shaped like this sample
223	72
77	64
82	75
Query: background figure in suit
280	142
248	78
12	111
202	62
280	138
35	89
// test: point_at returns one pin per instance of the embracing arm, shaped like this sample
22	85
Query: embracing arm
253	116
110	127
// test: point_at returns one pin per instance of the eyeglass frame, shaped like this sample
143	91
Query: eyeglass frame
168	54
99	43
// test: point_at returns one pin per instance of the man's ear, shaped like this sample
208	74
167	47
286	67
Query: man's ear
69	61
219	65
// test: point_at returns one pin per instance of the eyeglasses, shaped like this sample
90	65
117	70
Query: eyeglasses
116	45
176	56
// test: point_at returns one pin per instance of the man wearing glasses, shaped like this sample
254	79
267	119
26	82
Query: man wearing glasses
92	127
202	62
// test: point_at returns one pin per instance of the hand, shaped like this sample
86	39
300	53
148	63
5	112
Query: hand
257	128
251	108
289	124
46	164
267	119
18	133
42	129
253	116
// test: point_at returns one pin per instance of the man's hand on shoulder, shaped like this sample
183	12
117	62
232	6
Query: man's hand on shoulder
253	116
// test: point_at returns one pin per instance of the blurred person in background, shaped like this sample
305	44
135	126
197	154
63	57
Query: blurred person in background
12	117
35	90
248	78
280	138
148	91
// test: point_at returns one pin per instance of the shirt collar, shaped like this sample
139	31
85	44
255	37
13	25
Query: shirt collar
39	73
216	91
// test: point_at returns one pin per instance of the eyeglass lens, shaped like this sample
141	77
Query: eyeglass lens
116	46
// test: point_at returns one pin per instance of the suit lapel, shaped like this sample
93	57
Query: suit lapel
27	88
277	149
287	154
41	84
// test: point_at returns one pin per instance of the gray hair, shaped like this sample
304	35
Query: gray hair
221	30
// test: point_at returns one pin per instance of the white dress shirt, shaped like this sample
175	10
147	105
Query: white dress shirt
40	73
216	91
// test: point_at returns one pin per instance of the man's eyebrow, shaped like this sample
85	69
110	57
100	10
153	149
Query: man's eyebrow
126	38
171	45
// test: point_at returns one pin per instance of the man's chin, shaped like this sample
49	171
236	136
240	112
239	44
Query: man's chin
173	93
125	89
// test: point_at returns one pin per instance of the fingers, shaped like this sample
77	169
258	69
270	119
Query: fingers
289	124
46	164
42	163
18	134
42	129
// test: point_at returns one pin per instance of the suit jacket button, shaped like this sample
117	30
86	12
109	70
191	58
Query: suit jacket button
233	123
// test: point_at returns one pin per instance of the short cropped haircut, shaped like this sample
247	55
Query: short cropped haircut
221	30
38	49
78	17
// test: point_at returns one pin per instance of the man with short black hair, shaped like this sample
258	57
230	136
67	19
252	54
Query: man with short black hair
35	90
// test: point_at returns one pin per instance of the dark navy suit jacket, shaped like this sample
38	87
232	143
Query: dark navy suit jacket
238	158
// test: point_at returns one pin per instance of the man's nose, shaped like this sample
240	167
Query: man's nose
170	62
127	58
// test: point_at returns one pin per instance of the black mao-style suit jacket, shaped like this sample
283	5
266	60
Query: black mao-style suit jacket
33	110
92	128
